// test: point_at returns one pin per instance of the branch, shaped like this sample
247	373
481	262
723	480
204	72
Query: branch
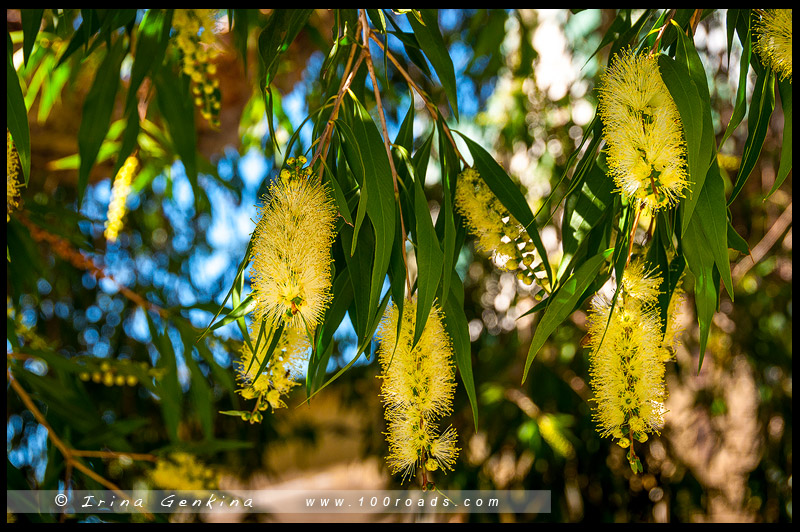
68	453
428	104
654	49
775	232
387	144
64	250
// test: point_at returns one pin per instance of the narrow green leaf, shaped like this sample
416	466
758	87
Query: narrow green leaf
405	135
177	106
700	261
361	348
153	37
31	20
740	104
338	195
377	177
563	304
445	222
785	90
583	209
509	195
17	113
736	242
455	323
200	393
711	214
687	98
168	386
731	17
761	107
97	111
358	267
429	260
432	43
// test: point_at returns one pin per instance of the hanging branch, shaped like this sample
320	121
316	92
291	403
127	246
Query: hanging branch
386	142
428	104
70	454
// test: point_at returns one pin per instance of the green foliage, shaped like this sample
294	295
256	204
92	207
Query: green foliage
395	200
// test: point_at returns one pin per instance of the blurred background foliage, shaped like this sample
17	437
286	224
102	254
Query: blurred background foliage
107	350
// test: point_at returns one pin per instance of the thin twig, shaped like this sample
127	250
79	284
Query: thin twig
142	457
347	79
780	226
386	142
64	250
428	104
639	210
68	453
661	32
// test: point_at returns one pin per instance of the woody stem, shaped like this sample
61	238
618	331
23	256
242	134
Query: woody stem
386	143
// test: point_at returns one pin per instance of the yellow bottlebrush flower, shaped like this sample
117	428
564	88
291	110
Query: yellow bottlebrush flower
285	366
119	196
627	366
642	129
291	251
417	391
12	176
195	37
182	471
497	232
773	42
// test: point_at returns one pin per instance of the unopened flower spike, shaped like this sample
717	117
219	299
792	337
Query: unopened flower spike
496	231
773	41
417	391
194	36
643	131
12	176
120	190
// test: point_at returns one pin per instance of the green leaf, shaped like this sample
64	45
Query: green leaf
740	104
338	195
785	90
167	387
563	303
17	113
97	111
358	268
761	106
700	261
200	393
432	43
241	27
455	323
618	25
687	98
736	242
583	210
405	135
711	214
445	222
153	37
429	260
509	195
361	348
376	176
31	20
177	107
